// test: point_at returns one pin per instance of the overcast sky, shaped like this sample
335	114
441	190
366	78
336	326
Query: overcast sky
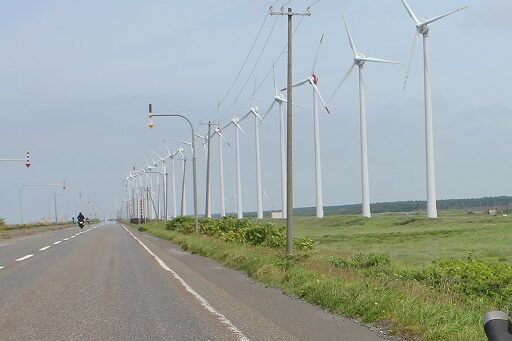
77	77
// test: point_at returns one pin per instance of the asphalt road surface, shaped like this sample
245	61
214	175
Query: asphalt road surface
109	282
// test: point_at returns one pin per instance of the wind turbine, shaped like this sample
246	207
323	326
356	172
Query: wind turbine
257	121
183	191
235	122
221	171
164	170
422	27
171	156
313	81
205	141
279	99
360	59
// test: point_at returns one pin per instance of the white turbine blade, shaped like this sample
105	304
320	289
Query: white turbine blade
274	74
223	138
411	13
379	60
317	91
350	40
185	142
409	62
298	83
245	116
295	105
431	20
258	117
158	156
316	55
168	151
345	77
199	136
239	127
269	109
227	125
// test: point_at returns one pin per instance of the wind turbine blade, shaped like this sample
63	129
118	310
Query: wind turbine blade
269	109
431	20
345	77
378	60
298	83
185	142
317	91
168	151
199	136
227	125
245	116
411	56
411	13
158	156
222	137
316	55
295	105
274	74
239	127
258	117
350	40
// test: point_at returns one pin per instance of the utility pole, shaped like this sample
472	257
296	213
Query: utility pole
208	209
289	129
55	205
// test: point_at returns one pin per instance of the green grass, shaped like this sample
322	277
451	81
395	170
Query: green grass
412	239
394	270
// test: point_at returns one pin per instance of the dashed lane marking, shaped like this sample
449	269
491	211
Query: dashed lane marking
23	258
44	248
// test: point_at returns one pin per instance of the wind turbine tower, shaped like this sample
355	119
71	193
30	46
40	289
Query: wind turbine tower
360	59
423	27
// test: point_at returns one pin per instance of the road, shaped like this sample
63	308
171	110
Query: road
110	282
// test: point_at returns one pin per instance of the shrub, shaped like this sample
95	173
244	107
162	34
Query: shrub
2	221
241	231
475	278
361	261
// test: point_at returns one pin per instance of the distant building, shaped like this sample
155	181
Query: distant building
492	211
277	215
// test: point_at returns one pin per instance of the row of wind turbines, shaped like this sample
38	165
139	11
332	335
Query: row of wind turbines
422	27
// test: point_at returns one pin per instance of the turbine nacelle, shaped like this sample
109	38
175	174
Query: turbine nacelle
314	78
423	27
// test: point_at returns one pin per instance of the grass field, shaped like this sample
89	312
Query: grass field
413	239
421	278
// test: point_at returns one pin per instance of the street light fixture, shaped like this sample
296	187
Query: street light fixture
27	160
151	124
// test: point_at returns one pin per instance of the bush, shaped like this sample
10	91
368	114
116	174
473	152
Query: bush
361	261
475	278
2	221
240	231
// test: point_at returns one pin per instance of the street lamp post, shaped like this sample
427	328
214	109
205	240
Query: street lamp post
151	125
20	198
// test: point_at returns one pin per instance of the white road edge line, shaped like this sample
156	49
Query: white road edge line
44	248
223	319
58	242
1	267
23	258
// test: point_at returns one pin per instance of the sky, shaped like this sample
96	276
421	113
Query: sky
77	78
